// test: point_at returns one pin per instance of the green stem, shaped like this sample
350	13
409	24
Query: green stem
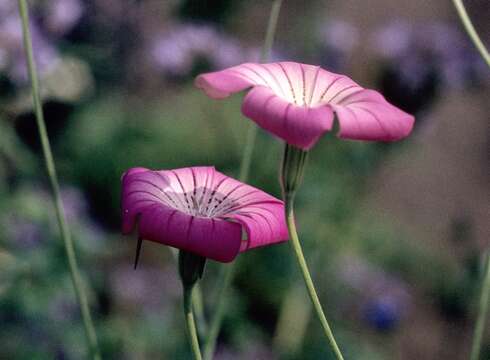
226	272
470	29
482	311
294	240
191	325
198	306
60	214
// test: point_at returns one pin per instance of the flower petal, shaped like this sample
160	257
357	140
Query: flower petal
261	214
212	238
366	115
264	223
297	125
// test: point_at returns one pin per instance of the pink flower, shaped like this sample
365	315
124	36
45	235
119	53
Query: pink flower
200	210
297	102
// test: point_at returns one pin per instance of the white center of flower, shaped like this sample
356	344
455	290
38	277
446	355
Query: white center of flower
201	202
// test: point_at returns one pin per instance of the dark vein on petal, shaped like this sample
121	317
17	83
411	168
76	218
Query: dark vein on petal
289	82
266	219
149	183
183	190
189	228
381	125
343	100
355	118
275	80
258	74
304	83
329	86
341	91
315	80
144	192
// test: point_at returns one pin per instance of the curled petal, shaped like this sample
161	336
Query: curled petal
264	224
366	115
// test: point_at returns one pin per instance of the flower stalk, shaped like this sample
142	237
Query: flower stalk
191	268
470	29
51	170
292	171
226	272
482	311
191	325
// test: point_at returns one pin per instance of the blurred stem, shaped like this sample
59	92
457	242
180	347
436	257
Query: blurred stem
295	243
225	277
60	214
226	272
470	29
198	306
264	55
191	325
482	311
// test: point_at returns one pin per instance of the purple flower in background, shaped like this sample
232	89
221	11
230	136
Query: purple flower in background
145	287
383	312
418	51
338	40
175	52
11	46
385	299
200	210
75	203
23	232
62	15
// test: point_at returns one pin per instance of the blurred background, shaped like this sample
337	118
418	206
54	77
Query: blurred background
394	233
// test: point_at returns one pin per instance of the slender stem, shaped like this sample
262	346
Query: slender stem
60	214
198	306
191	325
226	272
482	311
470	29
294	240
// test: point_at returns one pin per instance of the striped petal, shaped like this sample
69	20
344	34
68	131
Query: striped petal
200	210
296	102
366	115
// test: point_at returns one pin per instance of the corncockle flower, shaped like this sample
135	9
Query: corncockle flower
203	213
297	102
200	210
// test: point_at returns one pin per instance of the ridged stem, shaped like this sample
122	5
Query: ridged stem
51	169
296	245
191	324
226	272
482	311
470	29
292	171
